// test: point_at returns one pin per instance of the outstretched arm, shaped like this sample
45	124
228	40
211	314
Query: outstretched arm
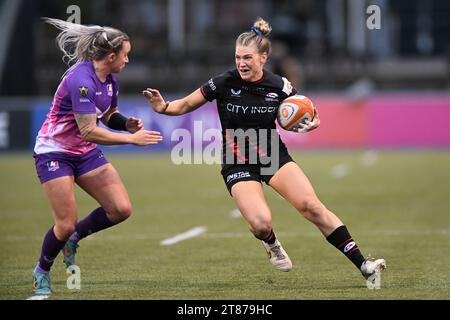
87	124
176	107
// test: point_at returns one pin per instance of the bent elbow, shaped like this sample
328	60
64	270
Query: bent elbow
87	135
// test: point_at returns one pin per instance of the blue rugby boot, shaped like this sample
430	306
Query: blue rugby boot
41	283
69	251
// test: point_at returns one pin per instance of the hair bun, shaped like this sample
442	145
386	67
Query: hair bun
262	26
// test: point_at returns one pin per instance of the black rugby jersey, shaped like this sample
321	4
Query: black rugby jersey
248	105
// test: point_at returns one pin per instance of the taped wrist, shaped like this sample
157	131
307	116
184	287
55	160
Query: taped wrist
117	122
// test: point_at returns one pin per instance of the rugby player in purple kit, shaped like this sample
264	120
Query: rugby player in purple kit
66	150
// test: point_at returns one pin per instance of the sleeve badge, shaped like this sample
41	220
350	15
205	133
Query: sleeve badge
83	91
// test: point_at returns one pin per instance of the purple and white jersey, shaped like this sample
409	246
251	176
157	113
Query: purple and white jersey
80	92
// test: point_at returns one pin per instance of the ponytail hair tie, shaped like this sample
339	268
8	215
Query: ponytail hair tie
257	31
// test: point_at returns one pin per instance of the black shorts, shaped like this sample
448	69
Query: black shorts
251	172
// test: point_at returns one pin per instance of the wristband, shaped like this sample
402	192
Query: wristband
117	122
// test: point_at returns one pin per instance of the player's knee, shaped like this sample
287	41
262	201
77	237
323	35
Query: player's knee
66	227
126	211
122	211
312	209
261	228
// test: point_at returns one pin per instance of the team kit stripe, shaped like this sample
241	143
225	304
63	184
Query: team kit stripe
351	251
344	243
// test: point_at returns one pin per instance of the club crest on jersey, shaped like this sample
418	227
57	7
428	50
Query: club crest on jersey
109	88
83	91
53	165
236	93
271	96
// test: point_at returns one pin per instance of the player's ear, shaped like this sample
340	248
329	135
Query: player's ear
111	57
264	57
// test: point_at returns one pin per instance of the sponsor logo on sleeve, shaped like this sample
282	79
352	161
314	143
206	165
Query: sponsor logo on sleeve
83	91
212	85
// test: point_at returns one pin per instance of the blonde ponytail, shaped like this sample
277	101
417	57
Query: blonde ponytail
82	43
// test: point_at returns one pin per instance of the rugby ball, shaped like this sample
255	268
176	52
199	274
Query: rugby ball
295	110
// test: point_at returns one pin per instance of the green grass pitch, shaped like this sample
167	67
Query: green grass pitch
397	208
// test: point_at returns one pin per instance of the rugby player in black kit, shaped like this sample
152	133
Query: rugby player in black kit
247	99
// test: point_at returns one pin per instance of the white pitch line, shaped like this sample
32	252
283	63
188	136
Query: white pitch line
369	158
235	213
340	171
183	236
37	298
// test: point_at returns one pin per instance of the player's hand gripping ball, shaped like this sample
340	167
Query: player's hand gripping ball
295	110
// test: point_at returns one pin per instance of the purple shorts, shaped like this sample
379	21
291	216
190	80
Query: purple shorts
53	165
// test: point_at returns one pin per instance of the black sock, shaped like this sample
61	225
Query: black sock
270	238
341	239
